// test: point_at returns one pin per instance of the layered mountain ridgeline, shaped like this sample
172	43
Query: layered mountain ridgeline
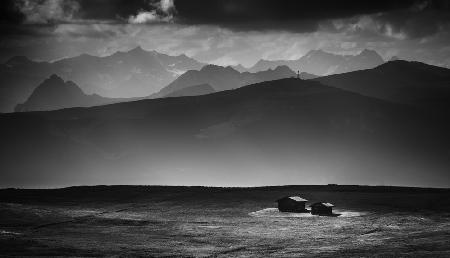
19	77
223	78
54	93
135	73
321	63
286	131
307	76
240	68
195	90
399	81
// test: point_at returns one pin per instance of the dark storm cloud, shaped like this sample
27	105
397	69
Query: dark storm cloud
422	19
415	18
269	14
112	9
83	11
9	14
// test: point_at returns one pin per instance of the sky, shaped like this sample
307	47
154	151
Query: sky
226	32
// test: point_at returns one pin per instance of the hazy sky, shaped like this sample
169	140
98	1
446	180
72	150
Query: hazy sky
226	32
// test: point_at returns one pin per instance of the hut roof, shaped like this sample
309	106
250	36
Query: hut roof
295	198
326	204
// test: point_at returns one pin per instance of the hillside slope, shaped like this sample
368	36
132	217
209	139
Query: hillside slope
287	131
195	90
399	81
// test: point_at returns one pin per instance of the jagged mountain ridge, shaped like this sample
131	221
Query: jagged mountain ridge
134	73
224	78
320	63
54	93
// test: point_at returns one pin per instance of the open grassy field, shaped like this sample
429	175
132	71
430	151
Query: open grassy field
223	222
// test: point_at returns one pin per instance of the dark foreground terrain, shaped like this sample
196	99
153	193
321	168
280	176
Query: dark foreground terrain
223	222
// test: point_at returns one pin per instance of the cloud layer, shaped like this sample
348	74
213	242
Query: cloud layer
47	11
161	12
226	31
410	18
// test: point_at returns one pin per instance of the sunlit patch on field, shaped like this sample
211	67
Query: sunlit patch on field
275	213
4	232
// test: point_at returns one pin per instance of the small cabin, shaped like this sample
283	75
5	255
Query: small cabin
322	208
292	204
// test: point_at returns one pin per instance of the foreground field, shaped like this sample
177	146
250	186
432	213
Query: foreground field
223	222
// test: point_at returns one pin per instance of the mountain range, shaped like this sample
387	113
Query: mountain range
398	81
275	132
140	73
135	73
54	93
223	78
320	63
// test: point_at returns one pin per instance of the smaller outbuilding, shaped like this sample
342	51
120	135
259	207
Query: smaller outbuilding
292	204
322	208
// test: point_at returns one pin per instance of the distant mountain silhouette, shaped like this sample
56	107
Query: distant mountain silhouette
224	78
54	93
18	61
240	68
286	131
19	76
308	76
133	73
263	65
399	81
195	90
321	63
394	58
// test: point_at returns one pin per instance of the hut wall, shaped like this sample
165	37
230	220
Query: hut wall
318	209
